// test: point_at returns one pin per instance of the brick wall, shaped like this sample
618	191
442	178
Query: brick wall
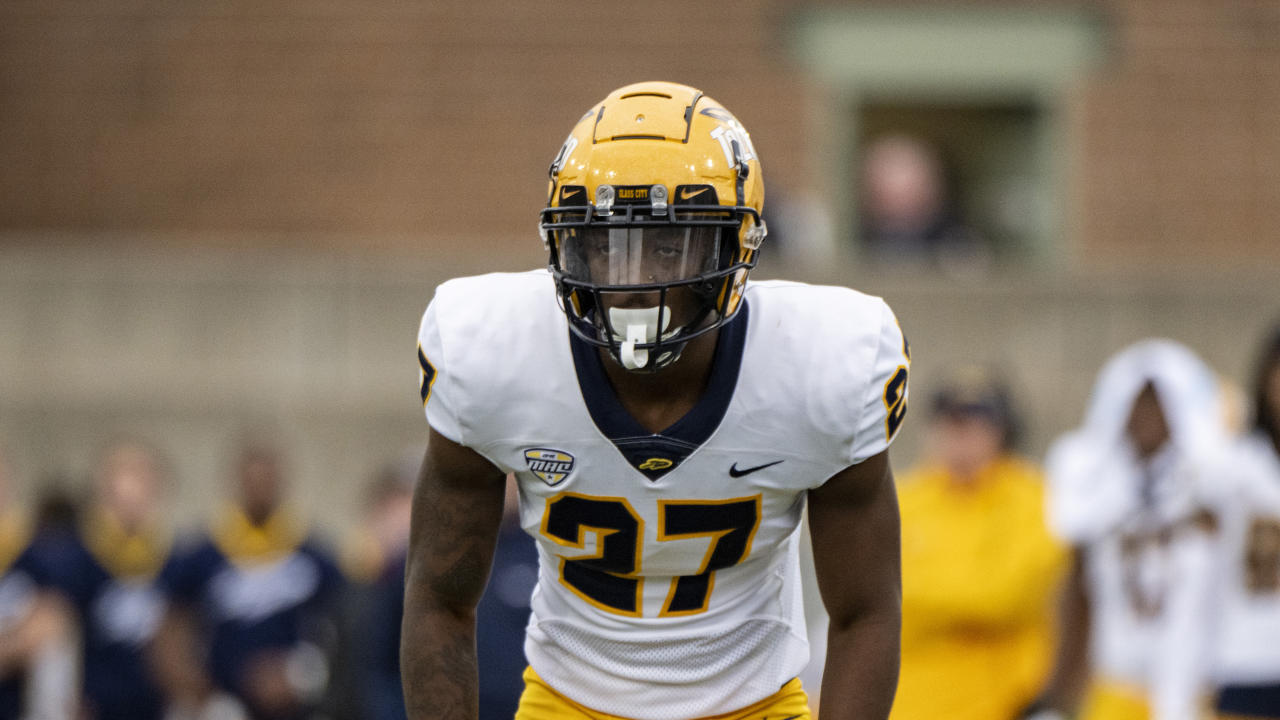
353	121
345	116
1181	152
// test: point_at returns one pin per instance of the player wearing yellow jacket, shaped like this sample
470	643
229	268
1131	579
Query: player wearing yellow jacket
979	567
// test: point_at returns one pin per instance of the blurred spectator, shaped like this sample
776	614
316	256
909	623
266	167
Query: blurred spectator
257	596
1247	661
37	655
501	618
105	566
1131	491
383	531
374	559
979	566
503	613
908	212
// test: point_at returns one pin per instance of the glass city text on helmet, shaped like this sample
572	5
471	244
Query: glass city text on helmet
653	221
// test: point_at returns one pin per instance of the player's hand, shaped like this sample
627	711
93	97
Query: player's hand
266	683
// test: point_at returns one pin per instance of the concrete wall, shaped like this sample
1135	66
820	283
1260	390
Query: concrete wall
195	348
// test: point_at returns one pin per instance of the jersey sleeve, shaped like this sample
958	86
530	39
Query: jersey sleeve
436	380
884	402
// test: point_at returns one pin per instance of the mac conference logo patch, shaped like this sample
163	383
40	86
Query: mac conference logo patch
553	466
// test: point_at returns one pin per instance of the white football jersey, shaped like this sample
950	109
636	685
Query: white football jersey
1248	648
669	579
1145	525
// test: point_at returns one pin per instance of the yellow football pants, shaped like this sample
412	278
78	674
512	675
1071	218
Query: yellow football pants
540	702
1114	701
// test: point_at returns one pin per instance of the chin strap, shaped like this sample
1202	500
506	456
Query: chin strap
642	326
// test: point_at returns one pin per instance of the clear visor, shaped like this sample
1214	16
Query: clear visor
639	255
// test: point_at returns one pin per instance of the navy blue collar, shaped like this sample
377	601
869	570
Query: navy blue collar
656	454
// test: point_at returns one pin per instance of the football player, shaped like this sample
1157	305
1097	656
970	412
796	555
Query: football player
38	660
1248	657
1133	491
668	424
106	568
259	591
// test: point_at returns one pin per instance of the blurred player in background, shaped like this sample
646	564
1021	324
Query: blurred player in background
373	644
666	440
1132	491
37	656
503	613
1247	663
980	568
105	566
257	594
366	679
380	538
501	616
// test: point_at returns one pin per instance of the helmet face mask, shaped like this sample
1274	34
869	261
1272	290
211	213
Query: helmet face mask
656	260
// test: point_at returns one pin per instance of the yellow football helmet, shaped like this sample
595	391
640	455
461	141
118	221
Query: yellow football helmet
653	221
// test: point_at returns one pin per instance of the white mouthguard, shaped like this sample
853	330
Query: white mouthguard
642	326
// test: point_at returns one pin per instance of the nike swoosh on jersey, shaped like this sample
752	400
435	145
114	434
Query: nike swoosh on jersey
735	472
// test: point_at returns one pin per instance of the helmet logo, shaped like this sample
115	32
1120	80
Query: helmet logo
551	466
727	133
565	151
692	192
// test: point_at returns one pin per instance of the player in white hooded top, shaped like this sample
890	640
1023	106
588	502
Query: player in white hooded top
667	423
1132	491
1247	660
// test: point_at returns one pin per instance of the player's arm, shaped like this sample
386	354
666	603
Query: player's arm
44	648
853	519
174	658
47	621
1067	682
457	508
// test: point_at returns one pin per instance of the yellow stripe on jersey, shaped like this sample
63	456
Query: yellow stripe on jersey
541	702
122	553
13	537
244	543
